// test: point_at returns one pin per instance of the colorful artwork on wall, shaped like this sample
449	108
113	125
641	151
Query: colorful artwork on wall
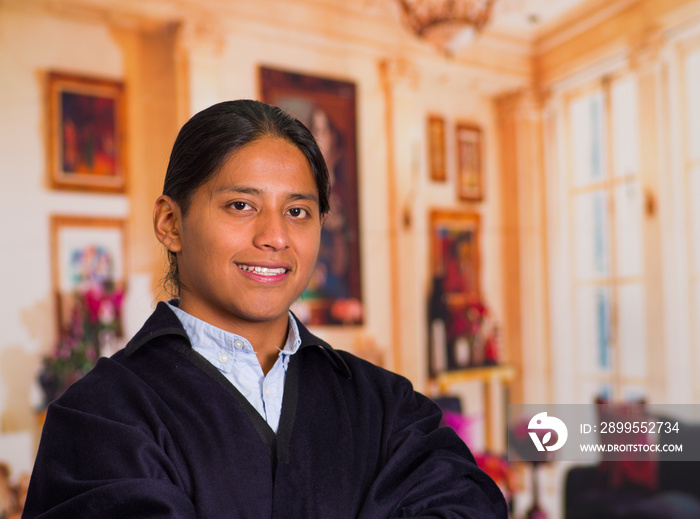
86	133
327	108
455	252
458	329
88	258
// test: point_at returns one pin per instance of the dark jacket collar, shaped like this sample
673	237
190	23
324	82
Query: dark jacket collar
163	321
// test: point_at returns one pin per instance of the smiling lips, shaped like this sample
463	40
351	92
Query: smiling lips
266	272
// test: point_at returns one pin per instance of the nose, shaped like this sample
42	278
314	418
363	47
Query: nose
271	231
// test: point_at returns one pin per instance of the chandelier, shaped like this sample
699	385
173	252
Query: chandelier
447	24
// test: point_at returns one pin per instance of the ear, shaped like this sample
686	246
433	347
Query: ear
167	223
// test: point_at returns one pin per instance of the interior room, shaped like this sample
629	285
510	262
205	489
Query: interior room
528	170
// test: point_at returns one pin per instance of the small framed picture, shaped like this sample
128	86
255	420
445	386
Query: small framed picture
88	255
436	148
469	164
86	133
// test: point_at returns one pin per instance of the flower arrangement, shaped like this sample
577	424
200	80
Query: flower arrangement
463	333
92	330
473	322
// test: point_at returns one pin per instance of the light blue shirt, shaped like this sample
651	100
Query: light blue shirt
235	358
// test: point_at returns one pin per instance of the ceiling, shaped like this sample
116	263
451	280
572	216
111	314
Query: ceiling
527	17
522	18
519	18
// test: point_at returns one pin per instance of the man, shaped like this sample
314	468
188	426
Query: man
224	405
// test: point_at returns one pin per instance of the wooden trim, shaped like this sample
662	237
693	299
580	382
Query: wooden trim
511	256
392	215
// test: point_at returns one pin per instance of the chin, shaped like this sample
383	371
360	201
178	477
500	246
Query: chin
261	315
261	309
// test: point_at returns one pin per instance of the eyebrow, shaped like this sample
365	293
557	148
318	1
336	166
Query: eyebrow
254	191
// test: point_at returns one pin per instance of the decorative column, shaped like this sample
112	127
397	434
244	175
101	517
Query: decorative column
152	124
399	79
525	286
198	56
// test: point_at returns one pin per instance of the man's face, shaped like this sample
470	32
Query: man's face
250	237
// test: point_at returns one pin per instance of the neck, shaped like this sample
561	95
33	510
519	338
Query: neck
266	337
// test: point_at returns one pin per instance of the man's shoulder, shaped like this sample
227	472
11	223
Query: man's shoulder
366	376
366	368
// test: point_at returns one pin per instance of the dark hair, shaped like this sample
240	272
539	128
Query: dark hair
213	135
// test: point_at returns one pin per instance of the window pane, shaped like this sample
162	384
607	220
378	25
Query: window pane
625	127
692	92
634	393
591	236
587	137
631	331
593	321
628	229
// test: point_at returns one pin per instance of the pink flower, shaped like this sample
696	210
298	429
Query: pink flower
92	297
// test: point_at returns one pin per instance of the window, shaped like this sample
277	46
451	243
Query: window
605	198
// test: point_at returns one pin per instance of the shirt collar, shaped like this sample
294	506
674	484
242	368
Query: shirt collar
200	331
164	322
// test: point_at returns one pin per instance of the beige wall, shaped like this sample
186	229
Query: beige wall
30	45
176	61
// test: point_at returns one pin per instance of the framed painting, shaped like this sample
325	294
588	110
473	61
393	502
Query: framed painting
470	181
454	240
455	305
327	108
436	148
86	133
87	255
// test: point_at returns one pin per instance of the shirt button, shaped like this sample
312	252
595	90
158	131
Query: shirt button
238	344
223	358
267	391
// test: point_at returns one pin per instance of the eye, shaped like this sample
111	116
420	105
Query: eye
298	212
240	206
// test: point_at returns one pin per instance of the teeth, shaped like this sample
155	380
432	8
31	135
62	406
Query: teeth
263	271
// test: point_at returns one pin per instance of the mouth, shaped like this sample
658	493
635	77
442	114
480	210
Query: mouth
262	271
